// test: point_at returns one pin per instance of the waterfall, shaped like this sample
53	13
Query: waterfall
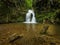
28	17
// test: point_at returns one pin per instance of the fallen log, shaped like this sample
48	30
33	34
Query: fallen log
14	37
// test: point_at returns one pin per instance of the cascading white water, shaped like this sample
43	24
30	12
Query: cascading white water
28	17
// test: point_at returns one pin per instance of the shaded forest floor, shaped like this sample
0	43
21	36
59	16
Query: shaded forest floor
22	34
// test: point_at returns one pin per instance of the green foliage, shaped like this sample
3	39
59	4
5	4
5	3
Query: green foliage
10	11
46	9
15	10
28	3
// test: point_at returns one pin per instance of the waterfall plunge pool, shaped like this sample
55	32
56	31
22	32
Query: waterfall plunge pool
28	30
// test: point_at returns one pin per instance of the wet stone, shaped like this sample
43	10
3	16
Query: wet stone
44	30
14	38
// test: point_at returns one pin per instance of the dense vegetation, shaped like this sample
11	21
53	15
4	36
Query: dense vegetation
48	9
15	10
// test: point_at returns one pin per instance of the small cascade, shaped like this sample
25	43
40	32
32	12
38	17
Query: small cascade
28	17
